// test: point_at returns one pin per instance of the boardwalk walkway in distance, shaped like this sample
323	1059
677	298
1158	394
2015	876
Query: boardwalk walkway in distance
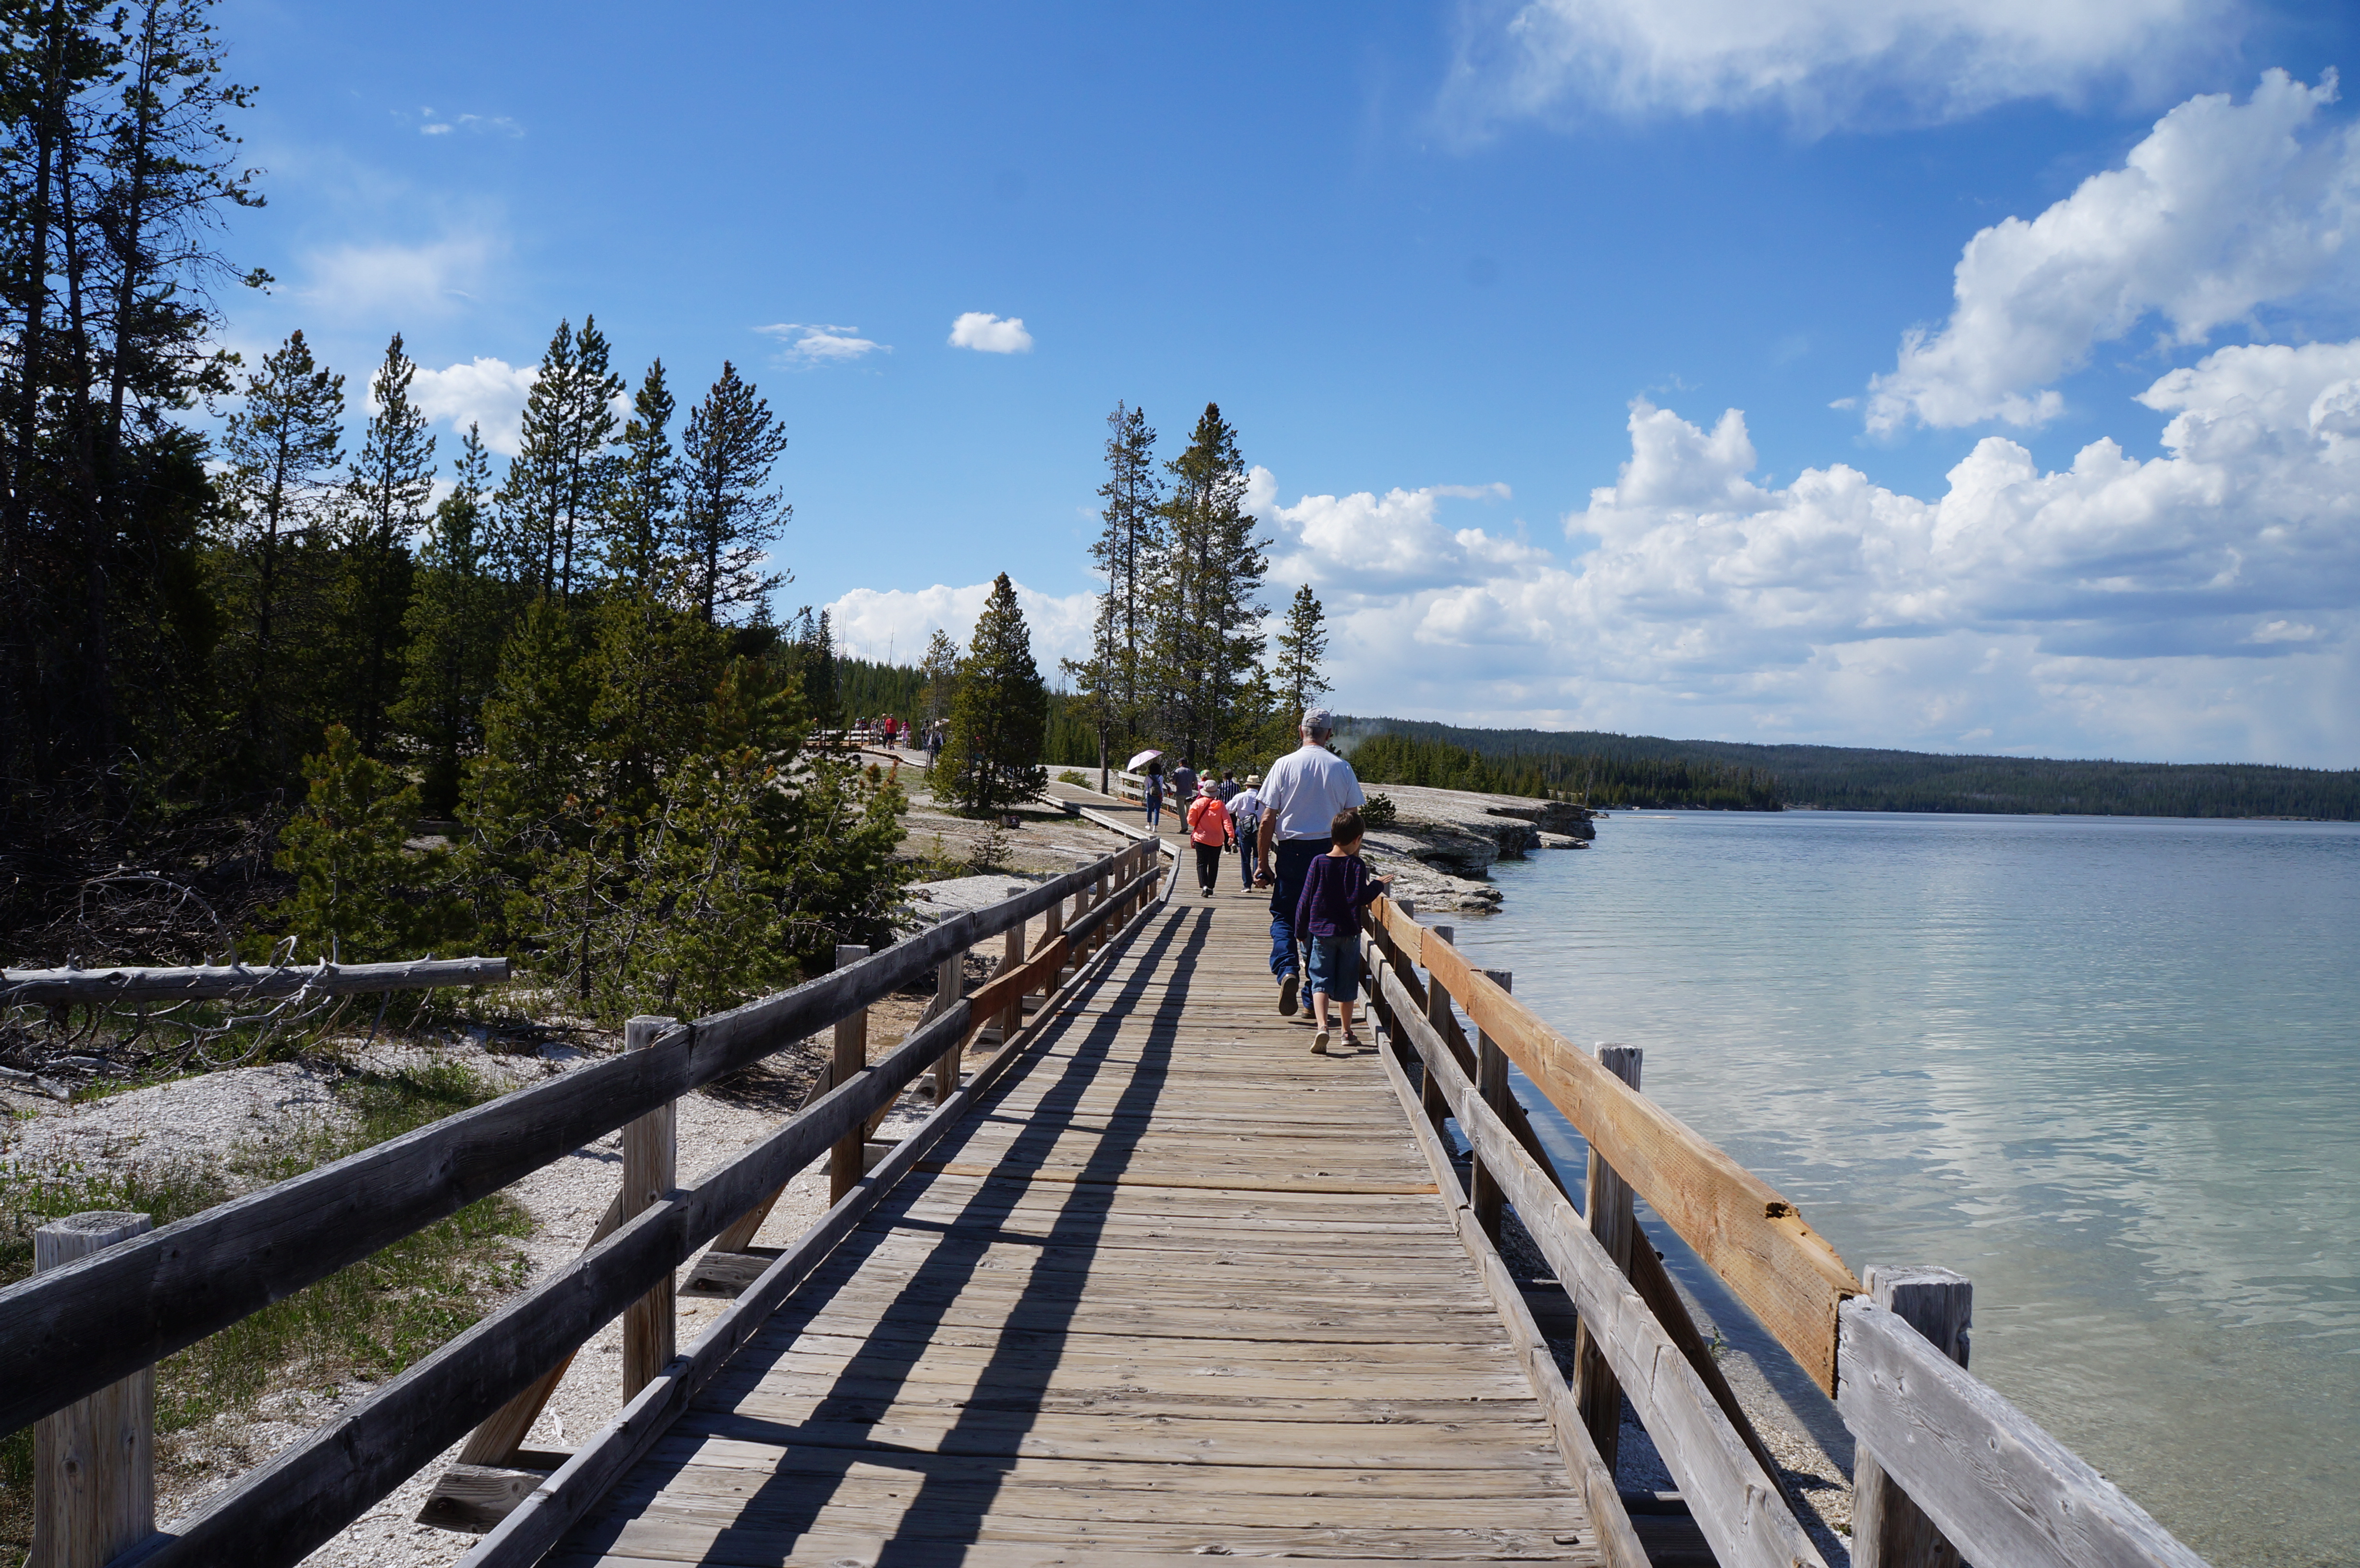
1177	1288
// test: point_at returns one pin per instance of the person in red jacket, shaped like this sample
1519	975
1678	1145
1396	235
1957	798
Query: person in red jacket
1210	831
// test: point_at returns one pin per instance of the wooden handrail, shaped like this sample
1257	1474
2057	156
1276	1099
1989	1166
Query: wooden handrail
66	1333
2002	1490
1742	1512
1745	1231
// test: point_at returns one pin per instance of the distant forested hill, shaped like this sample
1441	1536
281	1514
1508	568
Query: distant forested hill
1856	779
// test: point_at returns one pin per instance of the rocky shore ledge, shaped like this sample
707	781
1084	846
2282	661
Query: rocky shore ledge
1441	845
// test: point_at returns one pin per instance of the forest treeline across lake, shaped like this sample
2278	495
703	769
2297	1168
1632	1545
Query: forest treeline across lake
1652	771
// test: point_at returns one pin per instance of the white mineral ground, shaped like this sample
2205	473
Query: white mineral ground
1439	848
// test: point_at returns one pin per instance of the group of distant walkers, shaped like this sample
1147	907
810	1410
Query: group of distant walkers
1297	832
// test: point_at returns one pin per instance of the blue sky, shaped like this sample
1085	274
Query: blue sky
1479	286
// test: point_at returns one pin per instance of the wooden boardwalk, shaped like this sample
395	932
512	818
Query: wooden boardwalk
1177	1288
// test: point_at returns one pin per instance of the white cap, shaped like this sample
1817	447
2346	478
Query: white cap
1318	720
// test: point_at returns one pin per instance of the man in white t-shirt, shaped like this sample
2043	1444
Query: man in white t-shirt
1300	798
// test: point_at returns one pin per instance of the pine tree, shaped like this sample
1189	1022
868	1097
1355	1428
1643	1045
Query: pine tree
999	717
392	478
531	796
811	652
282	445
359	893
452	639
730	515
1112	682
548	505
940	669
1208	641
1302	652
641	529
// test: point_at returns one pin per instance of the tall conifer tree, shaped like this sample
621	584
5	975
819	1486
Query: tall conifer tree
550	503
282	445
730	513
454	643
392	478
1301	654
1208	639
642	524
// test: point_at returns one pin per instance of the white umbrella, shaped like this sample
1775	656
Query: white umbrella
1136	763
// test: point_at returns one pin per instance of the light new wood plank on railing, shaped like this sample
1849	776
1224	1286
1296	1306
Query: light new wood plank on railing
1748	1233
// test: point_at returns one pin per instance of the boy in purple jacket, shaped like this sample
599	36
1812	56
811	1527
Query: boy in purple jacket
1327	922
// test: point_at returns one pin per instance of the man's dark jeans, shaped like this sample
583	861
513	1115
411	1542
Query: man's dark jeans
1291	860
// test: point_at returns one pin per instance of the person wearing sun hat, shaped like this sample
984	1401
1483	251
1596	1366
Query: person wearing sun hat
1210	831
1245	815
1300	798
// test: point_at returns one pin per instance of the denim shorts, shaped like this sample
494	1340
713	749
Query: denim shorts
1336	967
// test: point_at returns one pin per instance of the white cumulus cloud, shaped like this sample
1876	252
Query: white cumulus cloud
2223	208
986	334
813	344
489	392
1823	64
874	624
2201	605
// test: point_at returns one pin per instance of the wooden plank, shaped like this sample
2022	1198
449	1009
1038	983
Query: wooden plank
1074	1175
1740	1225
56	987
77	1329
1998	1487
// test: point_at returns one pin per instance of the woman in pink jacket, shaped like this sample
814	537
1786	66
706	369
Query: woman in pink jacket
1210	831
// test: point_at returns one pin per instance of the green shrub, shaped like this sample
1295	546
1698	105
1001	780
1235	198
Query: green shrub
1379	812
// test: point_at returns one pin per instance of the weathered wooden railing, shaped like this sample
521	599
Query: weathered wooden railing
1945	1467
71	1334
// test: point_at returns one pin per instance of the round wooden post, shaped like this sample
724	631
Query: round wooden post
95	1461
1889	1530
1607	1209
851	1059
651	1161
1053	925
1491	1081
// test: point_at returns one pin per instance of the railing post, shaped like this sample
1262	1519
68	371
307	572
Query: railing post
1491	1081
95	1461
1437	1013
1889	1530
1053	926
950	985
650	1159
1607	1209
851	1058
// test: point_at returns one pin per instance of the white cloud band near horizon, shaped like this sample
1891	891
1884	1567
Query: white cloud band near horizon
894	624
2201	605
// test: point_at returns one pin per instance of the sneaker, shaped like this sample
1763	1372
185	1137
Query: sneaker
1287	988
1319	1044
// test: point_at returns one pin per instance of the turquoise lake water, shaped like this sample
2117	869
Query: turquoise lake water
2107	1068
